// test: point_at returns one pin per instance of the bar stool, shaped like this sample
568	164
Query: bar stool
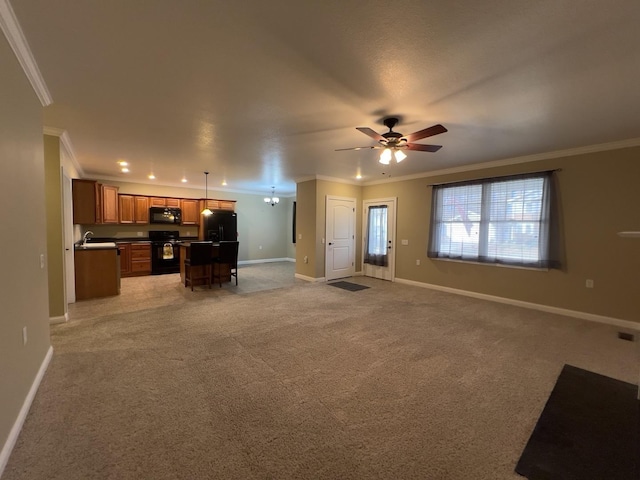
200	255
227	255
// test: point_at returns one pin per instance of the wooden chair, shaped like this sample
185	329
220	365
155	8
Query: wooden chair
200	255
227	255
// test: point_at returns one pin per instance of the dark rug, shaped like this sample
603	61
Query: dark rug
352	287
589	429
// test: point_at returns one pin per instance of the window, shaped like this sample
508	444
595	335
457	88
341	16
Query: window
499	220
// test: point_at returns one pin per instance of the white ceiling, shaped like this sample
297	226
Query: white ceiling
261	93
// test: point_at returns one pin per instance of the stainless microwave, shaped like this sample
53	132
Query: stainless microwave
165	215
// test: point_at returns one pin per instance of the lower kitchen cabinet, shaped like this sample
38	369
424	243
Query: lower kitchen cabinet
135	259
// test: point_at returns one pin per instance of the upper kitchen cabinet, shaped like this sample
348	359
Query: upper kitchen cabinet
190	211
94	203
109	204
213	204
164	202
133	209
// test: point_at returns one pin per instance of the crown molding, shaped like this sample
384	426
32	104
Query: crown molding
569	152
326	178
67	146
260	193
12	30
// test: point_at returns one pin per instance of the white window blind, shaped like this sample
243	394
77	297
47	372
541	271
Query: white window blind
499	220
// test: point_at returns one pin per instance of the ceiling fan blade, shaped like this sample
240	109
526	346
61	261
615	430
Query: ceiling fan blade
355	148
427	132
372	133
423	148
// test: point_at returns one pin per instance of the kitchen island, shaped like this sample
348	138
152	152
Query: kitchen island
185	252
97	270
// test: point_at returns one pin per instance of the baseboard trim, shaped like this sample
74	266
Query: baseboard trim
22	415
309	279
265	260
617	322
61	319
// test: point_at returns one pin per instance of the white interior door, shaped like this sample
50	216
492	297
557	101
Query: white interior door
67	220
379	238
340	237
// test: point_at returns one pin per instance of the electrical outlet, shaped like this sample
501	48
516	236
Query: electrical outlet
299	236
589	283
24	335
418	262
404	242
42	260
260	247
306	259
140	234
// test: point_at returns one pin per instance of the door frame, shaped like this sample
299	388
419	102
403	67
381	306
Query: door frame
326	242
393	206
68	269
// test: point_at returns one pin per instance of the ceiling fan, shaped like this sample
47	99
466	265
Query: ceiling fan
393	143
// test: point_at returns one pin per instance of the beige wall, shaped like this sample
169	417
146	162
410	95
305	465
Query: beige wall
311	217
598	197
306	228
23	285
259	224
55	237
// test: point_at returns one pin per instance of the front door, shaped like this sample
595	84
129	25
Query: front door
340	240
379	225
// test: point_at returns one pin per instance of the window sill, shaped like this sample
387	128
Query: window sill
486	264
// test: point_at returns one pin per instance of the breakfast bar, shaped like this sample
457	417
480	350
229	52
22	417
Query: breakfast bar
185	252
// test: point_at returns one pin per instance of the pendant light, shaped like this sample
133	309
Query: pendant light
206	212
273	200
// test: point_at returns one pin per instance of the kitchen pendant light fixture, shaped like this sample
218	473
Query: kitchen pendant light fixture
273	200
206	212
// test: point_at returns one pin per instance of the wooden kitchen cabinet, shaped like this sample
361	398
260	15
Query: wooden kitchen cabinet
109	204
164	202
140	259
96	273
94	203
135	259
133	209
125	259
190	211
141	209
213	204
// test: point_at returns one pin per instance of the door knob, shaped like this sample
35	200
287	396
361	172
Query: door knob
330	243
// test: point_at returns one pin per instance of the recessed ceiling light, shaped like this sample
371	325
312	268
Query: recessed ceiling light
122	163
124	170
152	176
184	180
224	183
358	176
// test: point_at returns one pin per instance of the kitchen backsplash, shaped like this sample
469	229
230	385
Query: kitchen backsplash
142	231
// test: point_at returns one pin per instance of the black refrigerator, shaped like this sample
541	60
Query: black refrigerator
221	226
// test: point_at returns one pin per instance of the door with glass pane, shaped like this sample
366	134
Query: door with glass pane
378	250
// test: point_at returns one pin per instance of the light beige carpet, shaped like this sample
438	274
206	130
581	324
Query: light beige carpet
304	382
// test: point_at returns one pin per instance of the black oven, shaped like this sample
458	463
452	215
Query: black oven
165	215
165	252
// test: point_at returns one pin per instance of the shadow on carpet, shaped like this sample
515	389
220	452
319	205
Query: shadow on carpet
589	429
352	287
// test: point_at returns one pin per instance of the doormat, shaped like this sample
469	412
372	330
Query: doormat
352	287
589	429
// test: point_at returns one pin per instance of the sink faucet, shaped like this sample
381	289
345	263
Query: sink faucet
85	237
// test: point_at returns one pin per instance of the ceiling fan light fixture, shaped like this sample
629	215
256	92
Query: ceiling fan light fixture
399	155
385	156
